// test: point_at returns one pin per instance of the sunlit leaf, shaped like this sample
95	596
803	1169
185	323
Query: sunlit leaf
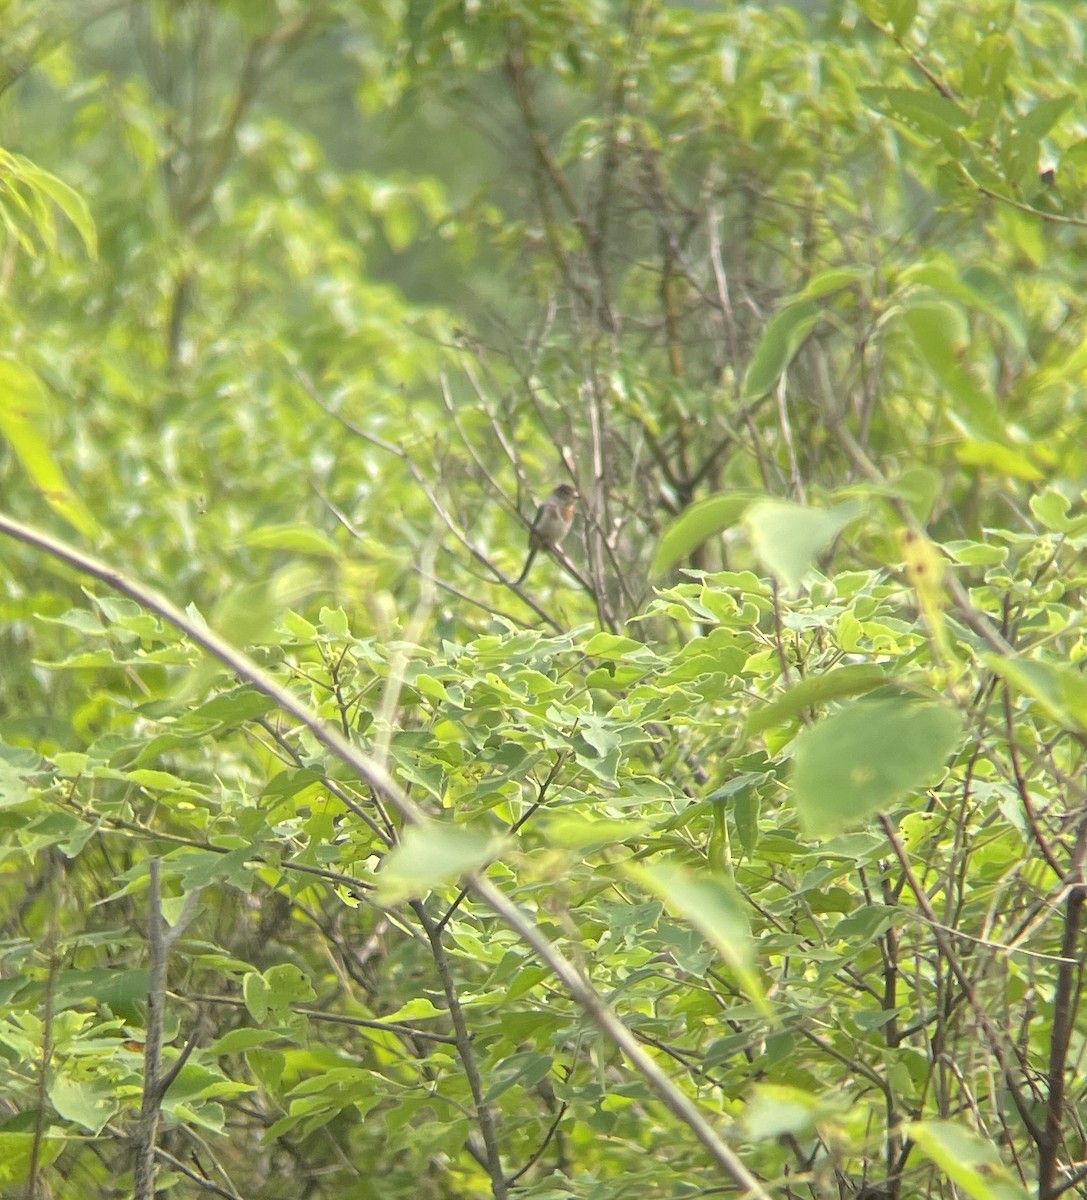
1001	460
24	406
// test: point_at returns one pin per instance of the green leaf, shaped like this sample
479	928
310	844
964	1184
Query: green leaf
775	1110
298	539
899	14
89	1103
835	279
742	794
919	487
290	782
431	855
238	1040
698	522
24	406
580	831
931	114
227	710
745	811
625	649
70	202
941	333
297	626
851	680
198	868
714	908
971	1162
419	1008
1041	119
780	341
788	538
123	991
1052	509
525	1069
287	984
975	554
334	621
16	1151
868	757
1060	690
61	829
902	14
862	927
12	788
255	994
998	460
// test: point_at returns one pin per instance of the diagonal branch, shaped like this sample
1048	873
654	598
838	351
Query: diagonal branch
374	774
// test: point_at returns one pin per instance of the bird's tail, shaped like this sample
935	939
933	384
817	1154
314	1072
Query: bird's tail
528	566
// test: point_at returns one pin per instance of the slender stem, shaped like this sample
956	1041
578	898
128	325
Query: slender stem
993	1035
1065	1005
466	1052
151	1104
33	1188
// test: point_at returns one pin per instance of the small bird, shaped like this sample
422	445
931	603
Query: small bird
551	524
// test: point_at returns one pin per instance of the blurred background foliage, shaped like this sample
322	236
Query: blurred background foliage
572	226
304	306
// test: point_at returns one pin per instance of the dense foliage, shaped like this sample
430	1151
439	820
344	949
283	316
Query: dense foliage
738	850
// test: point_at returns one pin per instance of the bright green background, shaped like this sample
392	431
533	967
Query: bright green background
304	307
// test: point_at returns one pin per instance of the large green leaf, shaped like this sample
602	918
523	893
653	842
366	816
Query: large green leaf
695	524
853	680
940	332
431	855
89	1103
713	907
1059	689
867	757
924	110
970	1161
781	339
789	538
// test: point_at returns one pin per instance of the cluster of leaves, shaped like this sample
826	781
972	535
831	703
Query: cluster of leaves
637	802
766	875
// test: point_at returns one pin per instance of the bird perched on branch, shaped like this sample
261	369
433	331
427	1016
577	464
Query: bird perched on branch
551	524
